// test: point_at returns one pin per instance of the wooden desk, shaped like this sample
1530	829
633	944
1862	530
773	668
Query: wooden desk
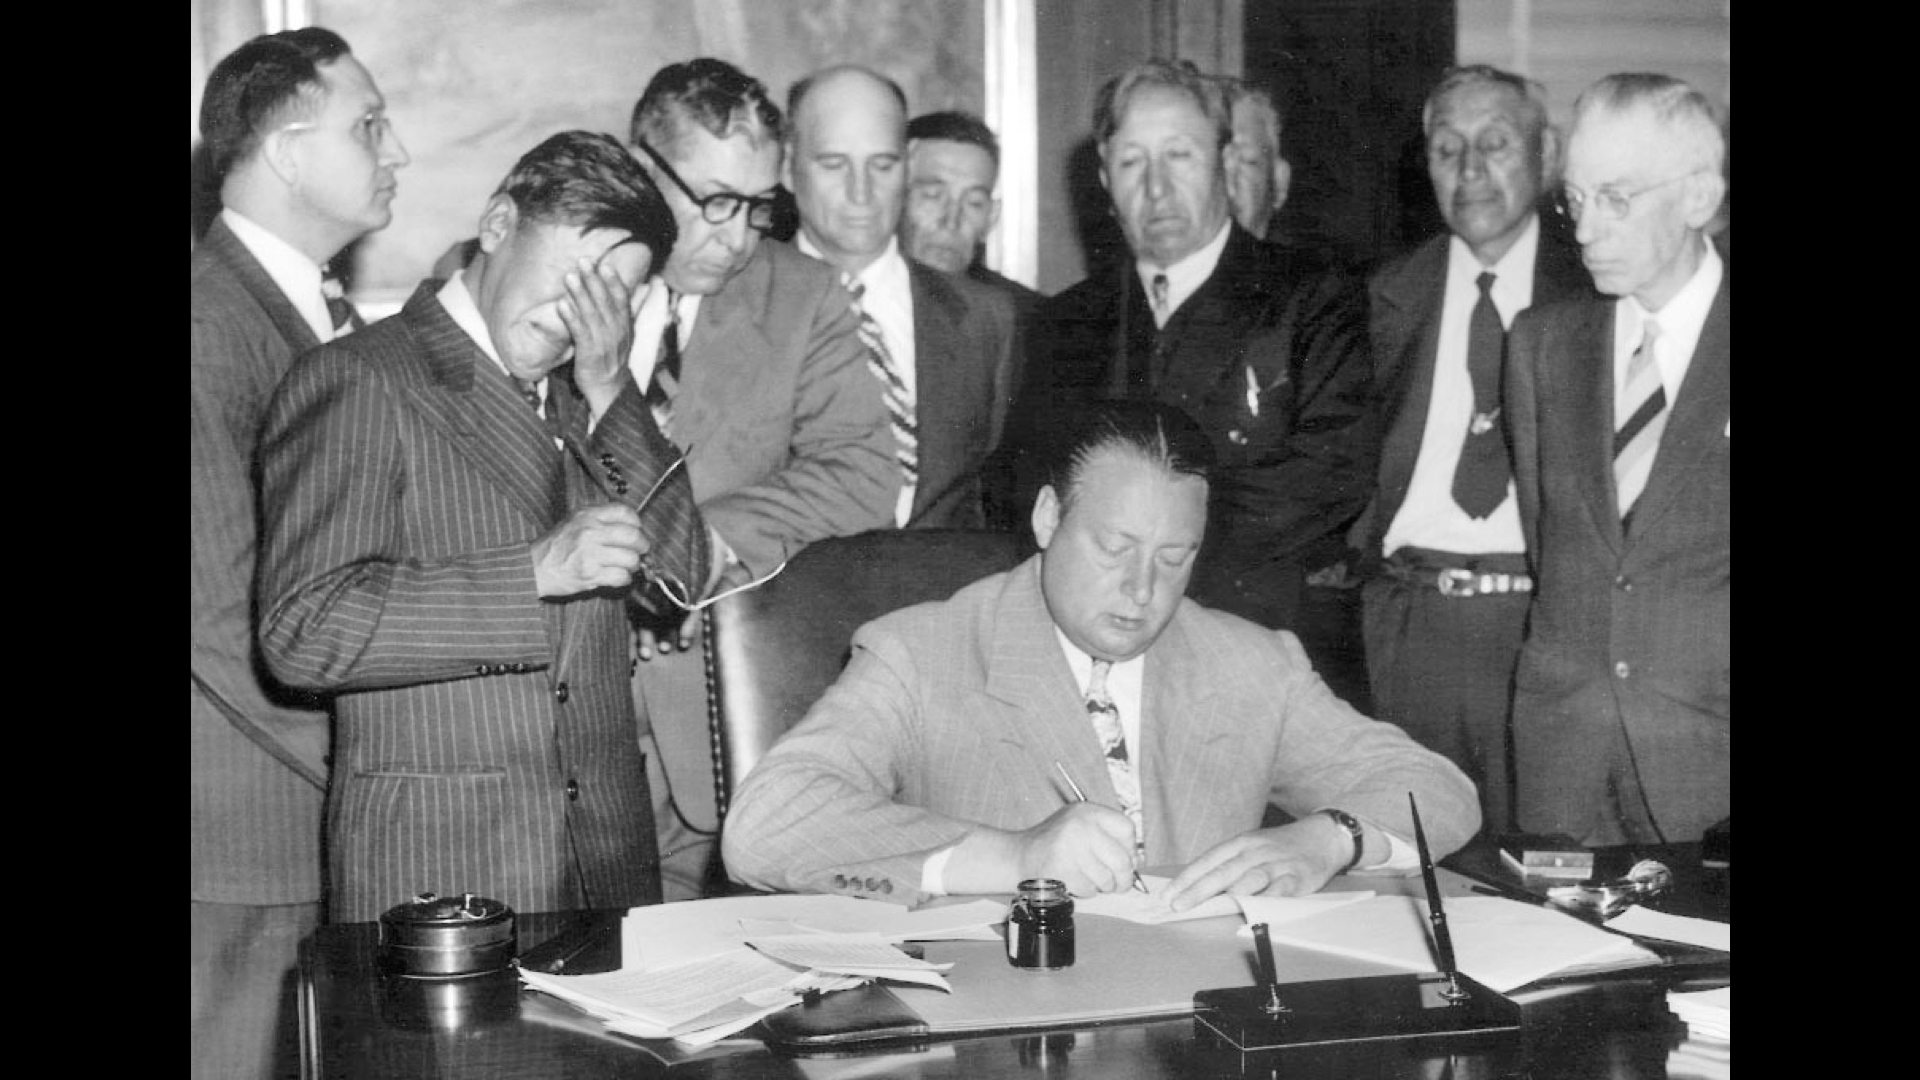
355	1024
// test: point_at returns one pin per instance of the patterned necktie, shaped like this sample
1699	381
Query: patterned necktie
548	414
339	308
1643	403
1159	297
666	365
1480	479
1113	739
893	387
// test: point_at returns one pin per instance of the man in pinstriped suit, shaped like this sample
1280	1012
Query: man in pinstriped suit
458	500
297	133
930	766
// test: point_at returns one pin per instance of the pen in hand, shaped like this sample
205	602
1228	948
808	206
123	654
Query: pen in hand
1081	796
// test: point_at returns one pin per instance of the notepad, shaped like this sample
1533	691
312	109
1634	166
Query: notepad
1502	943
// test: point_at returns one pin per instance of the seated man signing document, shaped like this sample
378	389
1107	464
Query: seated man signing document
934	765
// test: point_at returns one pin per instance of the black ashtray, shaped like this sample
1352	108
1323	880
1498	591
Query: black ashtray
436	937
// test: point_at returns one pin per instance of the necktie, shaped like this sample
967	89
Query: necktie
1113	739
666	365
893	387
339	308
1643	403
549	415
1480	479
1159	297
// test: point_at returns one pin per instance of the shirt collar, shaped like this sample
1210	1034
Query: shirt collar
1081	664
455	297
1512	272
1681	320
883	275
1185	277
296	275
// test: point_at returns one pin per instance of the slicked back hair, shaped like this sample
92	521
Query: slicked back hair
1533	96
272	80
1675	103
712	94
1160	434
1116	96
588	180
956	126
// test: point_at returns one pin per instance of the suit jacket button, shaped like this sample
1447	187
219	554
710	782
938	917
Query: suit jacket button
483	669
873	885
1237	438
1623	583
1623	669
573	790
886	885
561	693
839	881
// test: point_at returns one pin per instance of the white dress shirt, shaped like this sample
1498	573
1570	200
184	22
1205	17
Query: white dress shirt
1681	321
1185	277
297	276
1428	517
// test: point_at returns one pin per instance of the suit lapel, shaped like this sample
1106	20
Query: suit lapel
725	326
1027	670
225	246
479	410
1590	371
1409	322
938	313
1700	410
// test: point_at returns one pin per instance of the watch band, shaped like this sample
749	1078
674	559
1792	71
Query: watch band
1352	825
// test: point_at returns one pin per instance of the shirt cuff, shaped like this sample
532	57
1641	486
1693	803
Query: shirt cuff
1401	855
933	875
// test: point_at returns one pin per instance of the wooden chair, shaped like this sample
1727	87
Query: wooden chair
773	650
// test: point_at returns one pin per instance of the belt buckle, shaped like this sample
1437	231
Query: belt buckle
1457	582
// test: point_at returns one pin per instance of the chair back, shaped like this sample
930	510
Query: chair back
773	650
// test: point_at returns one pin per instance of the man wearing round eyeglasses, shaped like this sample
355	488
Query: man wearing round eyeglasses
1622	435
1444	604
297	134
755	370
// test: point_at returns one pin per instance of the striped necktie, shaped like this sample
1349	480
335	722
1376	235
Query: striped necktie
893	387
666	366
1113	740
339	309
1643	404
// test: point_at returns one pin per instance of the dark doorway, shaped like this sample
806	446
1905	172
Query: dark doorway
1350	76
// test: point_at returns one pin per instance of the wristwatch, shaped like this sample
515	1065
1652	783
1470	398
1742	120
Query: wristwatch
1352	825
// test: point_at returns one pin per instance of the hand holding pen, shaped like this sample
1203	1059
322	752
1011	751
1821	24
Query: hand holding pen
1139	849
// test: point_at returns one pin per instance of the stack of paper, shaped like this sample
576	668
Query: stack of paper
1501	943
1707	1053
701	970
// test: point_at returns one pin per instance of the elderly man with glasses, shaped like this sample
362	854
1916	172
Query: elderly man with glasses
754	368
1622	436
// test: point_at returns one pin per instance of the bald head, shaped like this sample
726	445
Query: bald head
846	162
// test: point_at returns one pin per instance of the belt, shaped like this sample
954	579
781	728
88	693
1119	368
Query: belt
1458	582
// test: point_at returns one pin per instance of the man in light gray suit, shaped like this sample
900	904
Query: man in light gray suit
933	766
752	360
297	132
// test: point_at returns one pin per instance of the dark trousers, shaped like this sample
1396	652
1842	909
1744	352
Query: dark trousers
1442	669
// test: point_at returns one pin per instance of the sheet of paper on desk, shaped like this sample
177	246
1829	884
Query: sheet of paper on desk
1151	906
1275	910
667	998
661	935
866	955
1642	922
1503	943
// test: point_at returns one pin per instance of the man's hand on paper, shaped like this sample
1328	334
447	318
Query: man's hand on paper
1086	846
1295	859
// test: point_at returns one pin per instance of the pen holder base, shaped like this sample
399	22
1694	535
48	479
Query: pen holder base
1369	1009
